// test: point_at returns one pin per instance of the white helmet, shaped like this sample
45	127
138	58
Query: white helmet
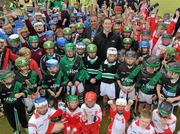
111	50
121	101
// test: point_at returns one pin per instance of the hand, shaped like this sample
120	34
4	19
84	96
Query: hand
76	83
84	118
171	100
69	84
161	97
130	102
18	95
93	81
141	58
154	97
163	122
110	102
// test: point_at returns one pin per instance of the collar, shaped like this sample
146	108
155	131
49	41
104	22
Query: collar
107	34
92	60
138	124
110	64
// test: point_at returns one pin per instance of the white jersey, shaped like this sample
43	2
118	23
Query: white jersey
135	128
93	114
171	123
119	124
38	124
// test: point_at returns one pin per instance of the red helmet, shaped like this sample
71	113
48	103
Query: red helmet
90	96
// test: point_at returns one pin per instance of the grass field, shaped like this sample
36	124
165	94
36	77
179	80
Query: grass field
165	6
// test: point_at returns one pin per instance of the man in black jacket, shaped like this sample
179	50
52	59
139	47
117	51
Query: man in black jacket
105	39
94	29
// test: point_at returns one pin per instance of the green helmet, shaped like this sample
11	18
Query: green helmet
4	74
79	25
33	39
91	48
165	108
72	98
67	31
70	47
127	41
166	36
48	45
152	62
173	67
86	41
127	29
21	62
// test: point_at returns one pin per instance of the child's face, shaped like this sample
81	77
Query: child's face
70	54
92	55
166	42
144	122
14	44
111	58
72	104
53	27
53	69
68	37
121	58
50	51
127	46
90	104
42	110
34	44
145	50
126	34
80	51
120	109
24	69
150	70
50	38
130	60
27	56
9	80
146	37
80	31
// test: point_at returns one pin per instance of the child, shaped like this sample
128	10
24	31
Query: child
142	125
72	116
120	114
80	49
163	119
11	94
93	114
29	80
109	69
121	56
92	64
53	82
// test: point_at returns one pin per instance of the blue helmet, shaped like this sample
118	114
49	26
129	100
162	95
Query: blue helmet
40	102
52	22
144	44
51	63
61	42
50	33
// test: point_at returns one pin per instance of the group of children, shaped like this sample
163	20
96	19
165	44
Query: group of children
51	70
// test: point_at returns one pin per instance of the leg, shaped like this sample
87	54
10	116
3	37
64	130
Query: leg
22	114
9	112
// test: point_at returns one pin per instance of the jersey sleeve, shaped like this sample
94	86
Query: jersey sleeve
126	114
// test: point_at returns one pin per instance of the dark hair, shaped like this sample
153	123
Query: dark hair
177	24
106	18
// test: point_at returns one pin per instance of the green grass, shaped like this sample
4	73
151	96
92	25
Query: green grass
165	6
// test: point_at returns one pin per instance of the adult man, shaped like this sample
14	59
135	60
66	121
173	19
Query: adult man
40	121
107	38
94	29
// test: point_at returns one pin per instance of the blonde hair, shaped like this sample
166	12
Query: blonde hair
24	51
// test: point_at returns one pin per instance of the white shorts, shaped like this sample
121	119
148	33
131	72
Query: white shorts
107	90
73	89
130	95
145	97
